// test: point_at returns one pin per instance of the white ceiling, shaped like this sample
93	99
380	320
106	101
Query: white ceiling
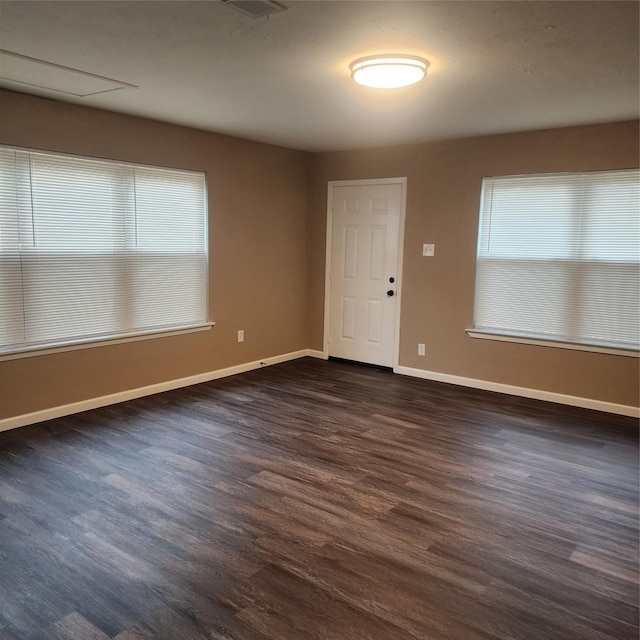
495	66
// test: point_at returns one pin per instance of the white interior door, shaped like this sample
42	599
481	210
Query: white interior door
363	274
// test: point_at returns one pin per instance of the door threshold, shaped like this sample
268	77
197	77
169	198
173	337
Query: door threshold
362	364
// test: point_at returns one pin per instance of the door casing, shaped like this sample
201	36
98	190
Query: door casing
327	279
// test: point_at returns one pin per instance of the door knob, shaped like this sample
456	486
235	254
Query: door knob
390	292
392	279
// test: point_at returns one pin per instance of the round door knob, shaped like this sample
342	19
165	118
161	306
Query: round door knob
392	279
390	292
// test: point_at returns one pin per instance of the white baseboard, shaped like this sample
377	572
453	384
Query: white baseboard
536	394
313	353
132	394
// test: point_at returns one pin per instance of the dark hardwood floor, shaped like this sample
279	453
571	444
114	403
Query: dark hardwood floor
326	501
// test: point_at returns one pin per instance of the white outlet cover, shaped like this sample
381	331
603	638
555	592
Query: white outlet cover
428	250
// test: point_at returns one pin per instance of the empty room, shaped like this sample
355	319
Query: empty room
319	320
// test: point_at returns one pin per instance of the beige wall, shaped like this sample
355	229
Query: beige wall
443	196
267	244
258	210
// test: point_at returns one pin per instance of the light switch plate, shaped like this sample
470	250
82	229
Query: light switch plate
428	250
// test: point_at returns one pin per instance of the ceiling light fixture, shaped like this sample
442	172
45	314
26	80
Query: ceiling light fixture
389	71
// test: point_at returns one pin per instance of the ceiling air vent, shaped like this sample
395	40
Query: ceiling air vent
255	8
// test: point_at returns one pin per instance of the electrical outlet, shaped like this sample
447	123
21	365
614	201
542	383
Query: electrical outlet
420	349
428	250
241	335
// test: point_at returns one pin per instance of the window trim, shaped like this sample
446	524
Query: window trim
114	339
483	334
88	343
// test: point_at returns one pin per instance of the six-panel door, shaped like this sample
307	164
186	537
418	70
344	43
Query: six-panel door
364	272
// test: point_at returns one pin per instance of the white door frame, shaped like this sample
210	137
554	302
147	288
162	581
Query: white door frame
327	273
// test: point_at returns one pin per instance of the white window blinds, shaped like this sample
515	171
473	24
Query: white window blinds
558	258
92	249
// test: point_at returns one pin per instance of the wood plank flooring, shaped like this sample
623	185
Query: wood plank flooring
321	500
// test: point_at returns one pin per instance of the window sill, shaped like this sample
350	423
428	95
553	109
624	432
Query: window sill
96	342
486	335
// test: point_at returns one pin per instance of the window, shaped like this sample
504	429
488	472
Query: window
93	249
558	258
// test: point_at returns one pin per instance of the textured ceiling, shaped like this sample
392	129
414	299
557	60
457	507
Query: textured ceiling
495	66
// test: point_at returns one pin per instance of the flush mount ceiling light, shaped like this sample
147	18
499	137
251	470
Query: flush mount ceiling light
389	71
